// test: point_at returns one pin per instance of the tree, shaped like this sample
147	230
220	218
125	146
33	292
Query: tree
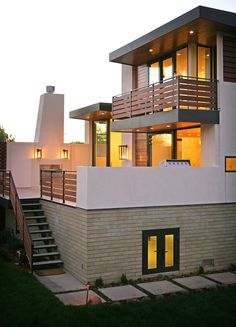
4	137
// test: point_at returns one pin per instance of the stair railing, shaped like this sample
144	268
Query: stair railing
10	189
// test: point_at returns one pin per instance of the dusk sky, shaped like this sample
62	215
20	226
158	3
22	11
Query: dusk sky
66	43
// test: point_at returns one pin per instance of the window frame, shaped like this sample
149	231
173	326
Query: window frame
160	233
229	171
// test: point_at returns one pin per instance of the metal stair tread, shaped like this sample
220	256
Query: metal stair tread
45	254
37	224
40	239
50	262
39	231
45	246
35	217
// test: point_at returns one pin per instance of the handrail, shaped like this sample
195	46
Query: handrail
58	185
9	189
181	92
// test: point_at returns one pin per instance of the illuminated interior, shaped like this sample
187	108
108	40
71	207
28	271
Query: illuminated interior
204	62
189	145
161	148
152	252
100	144
167	68
169	250
230	164
182	62
186	145
115	141
154	73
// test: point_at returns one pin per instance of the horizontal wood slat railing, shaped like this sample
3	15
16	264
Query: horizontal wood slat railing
8	189
58	185
179	92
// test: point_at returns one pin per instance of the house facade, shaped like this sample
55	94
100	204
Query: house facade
156	183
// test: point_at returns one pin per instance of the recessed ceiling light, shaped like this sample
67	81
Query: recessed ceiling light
178	54
191	32
151	127
150	50
167	125
137	130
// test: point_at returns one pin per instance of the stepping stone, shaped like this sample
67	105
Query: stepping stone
224	278
61	283
161	287
120	293
77	298
195	282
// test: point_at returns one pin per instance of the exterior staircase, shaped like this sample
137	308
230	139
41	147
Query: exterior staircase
45	254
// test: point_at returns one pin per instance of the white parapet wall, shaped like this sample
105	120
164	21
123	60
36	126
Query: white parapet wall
100	188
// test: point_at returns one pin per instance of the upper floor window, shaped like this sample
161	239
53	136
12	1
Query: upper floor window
204	62
230	164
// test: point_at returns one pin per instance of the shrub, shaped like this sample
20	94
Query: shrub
201	270
124	279
99	282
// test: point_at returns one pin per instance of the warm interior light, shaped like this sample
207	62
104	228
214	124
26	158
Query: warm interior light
38	153
65	154
123	152
191	32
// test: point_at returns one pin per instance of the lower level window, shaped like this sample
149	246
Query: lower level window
160	250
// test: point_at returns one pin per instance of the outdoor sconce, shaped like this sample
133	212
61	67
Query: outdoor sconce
38	153
123	152
65	154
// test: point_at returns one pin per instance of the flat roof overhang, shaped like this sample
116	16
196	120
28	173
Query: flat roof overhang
204	21
166	120
97	111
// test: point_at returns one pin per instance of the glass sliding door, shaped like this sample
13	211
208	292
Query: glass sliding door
167	68
182	62
100	151
189	145
154	73
160	148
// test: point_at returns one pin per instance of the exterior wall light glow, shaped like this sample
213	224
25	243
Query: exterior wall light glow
123	152
65	154
38	153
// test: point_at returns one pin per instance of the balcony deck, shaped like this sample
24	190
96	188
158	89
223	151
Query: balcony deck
180	100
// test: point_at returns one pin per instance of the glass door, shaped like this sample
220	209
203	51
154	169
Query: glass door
160	148
160	250
100	140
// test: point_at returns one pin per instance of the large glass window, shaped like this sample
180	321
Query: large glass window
230	164
182	62
154	73
115	141
160	250
204	62
189	145
160	148
100	144
167	68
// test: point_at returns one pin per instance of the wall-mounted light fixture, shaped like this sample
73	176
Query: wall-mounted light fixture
64	154
123	152
38	153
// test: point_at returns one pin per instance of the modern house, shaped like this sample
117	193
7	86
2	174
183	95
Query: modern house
155	186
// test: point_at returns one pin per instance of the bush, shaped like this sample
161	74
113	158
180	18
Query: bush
99	282
124	279
201	270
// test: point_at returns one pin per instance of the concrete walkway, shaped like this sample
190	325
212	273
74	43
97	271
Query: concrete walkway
72	292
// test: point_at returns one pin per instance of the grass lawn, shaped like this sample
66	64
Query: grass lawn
25	302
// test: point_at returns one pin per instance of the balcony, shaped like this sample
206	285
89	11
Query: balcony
179	101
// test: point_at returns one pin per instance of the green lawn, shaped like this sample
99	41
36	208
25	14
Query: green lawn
25	302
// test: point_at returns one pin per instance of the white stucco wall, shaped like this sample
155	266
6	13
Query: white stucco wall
143	186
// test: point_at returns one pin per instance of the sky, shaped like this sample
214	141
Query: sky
66	43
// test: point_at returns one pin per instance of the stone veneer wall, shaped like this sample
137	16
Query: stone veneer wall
109	242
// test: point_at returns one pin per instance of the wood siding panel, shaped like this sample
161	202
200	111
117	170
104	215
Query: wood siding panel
141	138
229	52
142	76
141	153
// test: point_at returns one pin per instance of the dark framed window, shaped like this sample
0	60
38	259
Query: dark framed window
230	164
160	250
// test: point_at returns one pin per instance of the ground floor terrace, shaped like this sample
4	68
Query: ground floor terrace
138	221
